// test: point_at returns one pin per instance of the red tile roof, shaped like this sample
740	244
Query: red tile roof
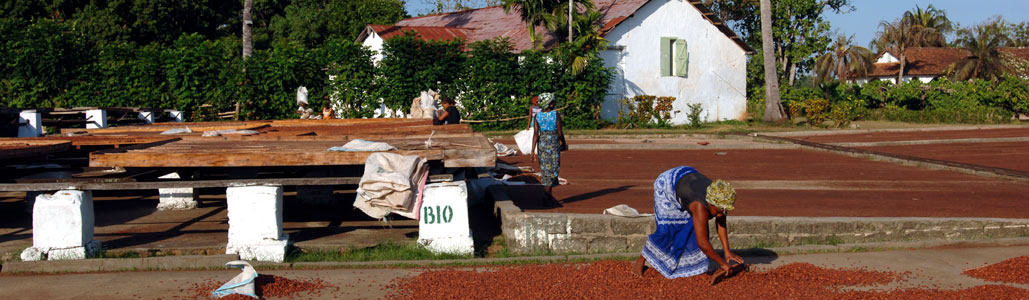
922	62
434	33
1022	52
492	22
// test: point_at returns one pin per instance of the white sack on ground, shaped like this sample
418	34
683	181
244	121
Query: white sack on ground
363	145
241	284
390	184
623	210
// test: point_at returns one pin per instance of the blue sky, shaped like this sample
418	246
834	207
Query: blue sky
863	22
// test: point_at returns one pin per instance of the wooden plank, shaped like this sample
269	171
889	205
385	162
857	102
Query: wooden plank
242	159
152	129
10	149
26	187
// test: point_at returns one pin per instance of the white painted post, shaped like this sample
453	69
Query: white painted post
255	223
96	118
62	227
147	117
443	219
176	198
177	116
30	124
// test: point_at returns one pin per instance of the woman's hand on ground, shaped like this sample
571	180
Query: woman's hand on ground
731	257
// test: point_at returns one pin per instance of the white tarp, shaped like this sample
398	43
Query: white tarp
390	184
524	140
357	145
241	284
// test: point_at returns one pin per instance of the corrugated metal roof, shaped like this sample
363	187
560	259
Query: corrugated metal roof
492	22
434	33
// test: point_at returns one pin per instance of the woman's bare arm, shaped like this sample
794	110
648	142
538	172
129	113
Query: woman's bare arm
700	217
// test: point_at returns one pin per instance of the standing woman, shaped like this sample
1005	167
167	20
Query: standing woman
684	201
547	141
533	109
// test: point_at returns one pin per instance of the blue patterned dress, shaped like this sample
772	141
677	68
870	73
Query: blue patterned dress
673	249
548	147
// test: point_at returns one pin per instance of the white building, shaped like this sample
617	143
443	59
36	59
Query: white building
674	48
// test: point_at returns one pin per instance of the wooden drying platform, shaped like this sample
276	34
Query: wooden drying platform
304	143
11	148
114	141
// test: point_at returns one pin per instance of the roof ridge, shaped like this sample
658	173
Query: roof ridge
453	12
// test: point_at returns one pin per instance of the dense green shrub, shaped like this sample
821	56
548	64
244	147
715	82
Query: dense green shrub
645	111
411	65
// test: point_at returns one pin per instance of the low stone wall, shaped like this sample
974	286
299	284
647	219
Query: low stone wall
533	232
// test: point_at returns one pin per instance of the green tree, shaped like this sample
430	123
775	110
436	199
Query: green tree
534	13
985	62
843	59
932	19
312	22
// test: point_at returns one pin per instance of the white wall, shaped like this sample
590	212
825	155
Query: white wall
886	57
374	42
717	66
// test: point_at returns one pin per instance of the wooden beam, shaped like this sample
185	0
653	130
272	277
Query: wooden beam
28	187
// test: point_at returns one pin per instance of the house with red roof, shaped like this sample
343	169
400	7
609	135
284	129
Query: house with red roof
924	64
676	48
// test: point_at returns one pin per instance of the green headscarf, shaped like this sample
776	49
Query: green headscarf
546	99
721	194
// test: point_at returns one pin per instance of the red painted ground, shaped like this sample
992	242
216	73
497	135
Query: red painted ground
601	179
1013	155
918	135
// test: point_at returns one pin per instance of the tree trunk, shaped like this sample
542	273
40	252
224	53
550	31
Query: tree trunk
773	106
793	73
248	45
571	33
903	64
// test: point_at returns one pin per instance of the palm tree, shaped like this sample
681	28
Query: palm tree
773	105
533	12
898	37
931	18
587	38
985	62
843	58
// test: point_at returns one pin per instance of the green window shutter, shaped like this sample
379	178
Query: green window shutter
666	56
681	58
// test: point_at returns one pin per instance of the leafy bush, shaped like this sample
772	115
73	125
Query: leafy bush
694	115
645	111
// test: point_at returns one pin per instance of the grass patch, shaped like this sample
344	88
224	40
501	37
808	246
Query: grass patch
386	251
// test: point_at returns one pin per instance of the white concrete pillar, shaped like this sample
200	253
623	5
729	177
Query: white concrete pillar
255	223
147	117
177	116
443	219
96	118
176	198
62	227
30	124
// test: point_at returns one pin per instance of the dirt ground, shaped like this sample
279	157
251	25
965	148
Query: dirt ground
918	135
786	183
1008	155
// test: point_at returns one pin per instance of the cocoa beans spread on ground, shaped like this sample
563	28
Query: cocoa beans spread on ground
615	280
1015	270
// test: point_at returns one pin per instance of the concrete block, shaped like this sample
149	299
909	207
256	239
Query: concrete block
630	226
177	116
96	118
316	195
62	220
255	223
567	244
255	212
146	116
608	244
636	242
443	219
176	198
30	124
547	223
588	224
272	250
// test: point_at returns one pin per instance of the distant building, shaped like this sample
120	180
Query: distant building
923	64
675	48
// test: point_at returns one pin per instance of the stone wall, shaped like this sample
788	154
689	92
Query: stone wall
537	233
